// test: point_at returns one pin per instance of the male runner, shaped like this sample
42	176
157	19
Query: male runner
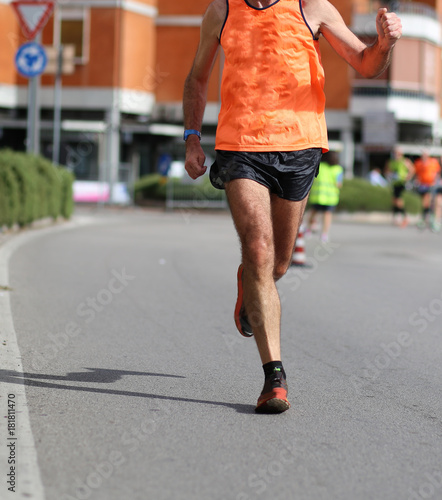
400	170
270	137
427	171
324	194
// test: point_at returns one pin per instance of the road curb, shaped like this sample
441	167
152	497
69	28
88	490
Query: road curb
370	217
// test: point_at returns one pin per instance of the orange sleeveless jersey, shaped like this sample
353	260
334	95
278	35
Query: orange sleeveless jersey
272	90
426	171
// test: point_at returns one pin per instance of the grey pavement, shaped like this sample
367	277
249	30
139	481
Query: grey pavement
139	386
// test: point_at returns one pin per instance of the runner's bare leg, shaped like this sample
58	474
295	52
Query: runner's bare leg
267	227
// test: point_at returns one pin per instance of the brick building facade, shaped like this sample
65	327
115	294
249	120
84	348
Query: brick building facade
122	105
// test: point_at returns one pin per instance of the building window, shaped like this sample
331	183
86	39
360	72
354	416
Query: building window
74	30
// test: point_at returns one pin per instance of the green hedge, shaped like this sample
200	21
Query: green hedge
32	188
357	195
155	186
150	187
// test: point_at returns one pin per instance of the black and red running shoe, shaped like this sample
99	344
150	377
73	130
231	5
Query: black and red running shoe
241	320
273	397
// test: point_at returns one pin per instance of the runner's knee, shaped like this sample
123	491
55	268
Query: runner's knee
258	253
281	267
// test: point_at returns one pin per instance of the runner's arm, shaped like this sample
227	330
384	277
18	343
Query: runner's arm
195	87
369	61
410	166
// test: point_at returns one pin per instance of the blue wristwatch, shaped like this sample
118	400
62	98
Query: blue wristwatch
191	131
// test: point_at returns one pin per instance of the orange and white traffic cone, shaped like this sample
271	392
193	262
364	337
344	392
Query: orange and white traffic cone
299	257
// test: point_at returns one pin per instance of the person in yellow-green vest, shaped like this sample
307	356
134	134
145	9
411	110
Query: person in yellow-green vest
324	195
399	170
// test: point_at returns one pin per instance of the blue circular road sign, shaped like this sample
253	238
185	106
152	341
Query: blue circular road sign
31	59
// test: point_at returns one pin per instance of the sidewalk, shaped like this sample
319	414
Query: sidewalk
8	233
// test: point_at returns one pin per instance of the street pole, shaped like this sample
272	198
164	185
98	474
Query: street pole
57	107
33	123
32	97
113	147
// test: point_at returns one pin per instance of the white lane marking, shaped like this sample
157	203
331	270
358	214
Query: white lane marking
15	421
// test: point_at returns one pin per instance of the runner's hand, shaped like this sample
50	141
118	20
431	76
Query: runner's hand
389	27
195	158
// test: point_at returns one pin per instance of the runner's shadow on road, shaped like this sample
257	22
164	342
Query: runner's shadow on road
98	375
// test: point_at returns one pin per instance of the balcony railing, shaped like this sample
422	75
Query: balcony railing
418	21
365	91
399	7
417	9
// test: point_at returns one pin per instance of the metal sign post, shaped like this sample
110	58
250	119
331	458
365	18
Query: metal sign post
33	123
31	61
61	61
57	108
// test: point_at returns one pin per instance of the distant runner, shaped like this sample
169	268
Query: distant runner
399	170
427	179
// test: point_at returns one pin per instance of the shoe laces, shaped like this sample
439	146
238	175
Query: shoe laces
275	380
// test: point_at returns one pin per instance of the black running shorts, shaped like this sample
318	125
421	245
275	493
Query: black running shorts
398	189
322	208
287	174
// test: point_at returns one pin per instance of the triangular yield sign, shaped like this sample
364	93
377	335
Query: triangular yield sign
33	15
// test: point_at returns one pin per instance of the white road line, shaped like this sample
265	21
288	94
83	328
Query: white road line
15	423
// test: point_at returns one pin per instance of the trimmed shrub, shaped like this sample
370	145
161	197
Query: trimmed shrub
32	188
27	186
9	196
149	187
155	187
66	181
49	189
358	195
413	202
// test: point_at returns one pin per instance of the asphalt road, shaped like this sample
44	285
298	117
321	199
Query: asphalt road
139	388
